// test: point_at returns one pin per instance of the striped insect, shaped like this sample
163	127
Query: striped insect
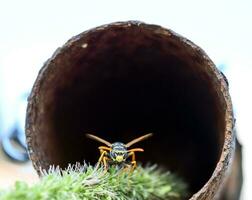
117	153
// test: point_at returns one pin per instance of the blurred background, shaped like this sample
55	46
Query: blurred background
32	30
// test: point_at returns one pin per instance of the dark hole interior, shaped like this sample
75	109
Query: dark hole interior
129	82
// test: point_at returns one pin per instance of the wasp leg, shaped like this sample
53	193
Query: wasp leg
132	153
136	149
103	153
134	164
133	160
104	148
105	163
133	156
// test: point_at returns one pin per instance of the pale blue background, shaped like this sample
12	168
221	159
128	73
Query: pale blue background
31	30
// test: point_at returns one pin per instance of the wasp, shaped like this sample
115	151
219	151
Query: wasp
117	153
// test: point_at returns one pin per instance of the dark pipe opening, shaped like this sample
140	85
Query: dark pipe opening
120	83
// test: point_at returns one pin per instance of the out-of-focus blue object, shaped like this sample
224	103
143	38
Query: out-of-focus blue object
13	142
14	146
222	67
19	66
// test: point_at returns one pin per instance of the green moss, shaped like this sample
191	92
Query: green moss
85	183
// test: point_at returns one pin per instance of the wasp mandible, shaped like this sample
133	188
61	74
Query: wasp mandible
117	153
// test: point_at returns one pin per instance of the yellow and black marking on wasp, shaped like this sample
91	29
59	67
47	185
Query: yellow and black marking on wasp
118	153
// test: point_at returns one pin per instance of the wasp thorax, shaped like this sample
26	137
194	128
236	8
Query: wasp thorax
119	152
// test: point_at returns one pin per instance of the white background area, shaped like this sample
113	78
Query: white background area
30	31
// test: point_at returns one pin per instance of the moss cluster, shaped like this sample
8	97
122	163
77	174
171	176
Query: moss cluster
82	182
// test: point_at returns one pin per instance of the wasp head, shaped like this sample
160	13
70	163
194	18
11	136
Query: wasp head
119	152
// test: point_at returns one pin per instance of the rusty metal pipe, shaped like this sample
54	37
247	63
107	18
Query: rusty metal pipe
123	80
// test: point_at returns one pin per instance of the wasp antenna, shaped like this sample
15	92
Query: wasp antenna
138	139
91	136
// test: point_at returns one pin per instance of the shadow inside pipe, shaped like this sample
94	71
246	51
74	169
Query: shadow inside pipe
123	84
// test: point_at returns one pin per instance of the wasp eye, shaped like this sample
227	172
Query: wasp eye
112	154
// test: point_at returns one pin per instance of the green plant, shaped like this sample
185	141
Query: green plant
82	182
